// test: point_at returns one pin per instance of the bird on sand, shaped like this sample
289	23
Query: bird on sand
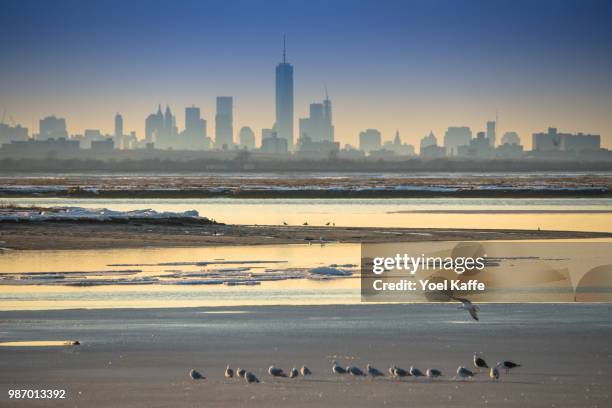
509	365
305	371
196	375
479	362
240	372
464	372
293	372
356	371
327	224
399	372
229	373
494	372
276	372
471	308
415	372
374	372
434	373
337	369
250	377
285	223
305	224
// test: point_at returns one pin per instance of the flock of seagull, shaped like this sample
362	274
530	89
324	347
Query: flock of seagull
395	372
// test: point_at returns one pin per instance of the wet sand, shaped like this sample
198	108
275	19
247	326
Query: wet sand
141	358
138	234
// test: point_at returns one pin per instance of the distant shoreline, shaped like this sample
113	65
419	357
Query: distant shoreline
7	193
269	186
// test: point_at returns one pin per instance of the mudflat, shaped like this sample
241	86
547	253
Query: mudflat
55	235
142	357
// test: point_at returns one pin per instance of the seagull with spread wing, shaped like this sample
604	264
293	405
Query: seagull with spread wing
469	306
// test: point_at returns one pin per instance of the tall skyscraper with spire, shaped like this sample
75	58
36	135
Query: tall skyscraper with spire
284	99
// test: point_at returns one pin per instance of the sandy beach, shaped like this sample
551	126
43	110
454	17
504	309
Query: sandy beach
141	357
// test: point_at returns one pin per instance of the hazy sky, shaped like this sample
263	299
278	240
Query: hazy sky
407	65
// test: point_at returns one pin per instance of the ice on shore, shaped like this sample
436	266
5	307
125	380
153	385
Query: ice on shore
330	271
243	275
93	214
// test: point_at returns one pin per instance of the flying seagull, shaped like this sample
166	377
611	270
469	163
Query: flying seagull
509	365
467	305
464	372
229	373
250	377
276	372
494	372
434	373
240	372
479	362
305	371
337	369
356	371
196	375
293	372
374	372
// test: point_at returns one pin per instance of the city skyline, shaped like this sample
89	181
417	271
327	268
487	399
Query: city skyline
428	79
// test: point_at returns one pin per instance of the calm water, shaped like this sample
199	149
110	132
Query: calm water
163	264
561	214
156	262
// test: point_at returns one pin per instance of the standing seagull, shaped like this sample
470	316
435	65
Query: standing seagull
293	372
276	372
196	375
494	372
337	369
250	377
479	362
305	371
374	372
469	306
229	373
509	365
356	371
399	372
240	372
434	373
464	372
415	372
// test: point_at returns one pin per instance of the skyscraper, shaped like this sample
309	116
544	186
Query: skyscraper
491	132
118	129
161	129
153	125
224	128
118	125
455	137
327	117
284	100
317	127
194	136
369	140
52	127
